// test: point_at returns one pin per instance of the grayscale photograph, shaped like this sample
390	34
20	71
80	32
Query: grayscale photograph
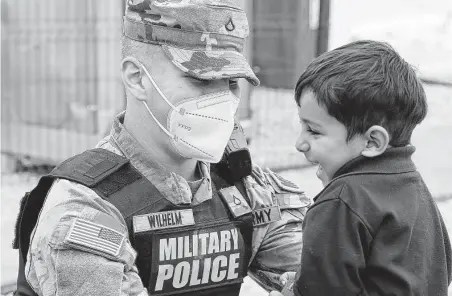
226	147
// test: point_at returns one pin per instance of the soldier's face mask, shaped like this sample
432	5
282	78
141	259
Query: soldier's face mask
199	127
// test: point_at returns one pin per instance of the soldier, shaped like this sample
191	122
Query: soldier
146	212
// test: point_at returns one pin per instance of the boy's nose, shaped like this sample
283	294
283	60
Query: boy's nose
302	145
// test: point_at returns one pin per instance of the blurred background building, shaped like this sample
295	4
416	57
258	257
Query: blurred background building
60	68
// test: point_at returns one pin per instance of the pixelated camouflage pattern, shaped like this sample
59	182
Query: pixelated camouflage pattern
204	38
56	267
211	65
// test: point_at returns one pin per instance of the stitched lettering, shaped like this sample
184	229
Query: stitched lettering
267	212
165	219
198	259
258	217
266	215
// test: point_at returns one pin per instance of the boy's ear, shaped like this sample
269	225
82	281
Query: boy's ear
377	139
132	77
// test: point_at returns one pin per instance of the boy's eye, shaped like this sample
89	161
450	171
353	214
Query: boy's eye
313	132
308	129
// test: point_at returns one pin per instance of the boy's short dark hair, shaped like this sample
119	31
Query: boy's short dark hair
367	83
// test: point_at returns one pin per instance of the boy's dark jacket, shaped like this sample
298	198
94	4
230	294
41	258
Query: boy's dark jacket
375	230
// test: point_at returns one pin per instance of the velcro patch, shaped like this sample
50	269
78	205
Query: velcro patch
161	220
282	183
266	215
236	202
95	236
292	200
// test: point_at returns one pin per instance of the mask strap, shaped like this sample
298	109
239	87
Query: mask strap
163	96
158	89
158	123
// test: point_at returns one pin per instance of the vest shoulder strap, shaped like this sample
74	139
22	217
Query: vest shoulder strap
90	167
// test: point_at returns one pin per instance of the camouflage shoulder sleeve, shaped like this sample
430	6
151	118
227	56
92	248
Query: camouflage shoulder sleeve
81	241
286	194
278	244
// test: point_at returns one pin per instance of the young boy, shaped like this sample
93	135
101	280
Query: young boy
375	228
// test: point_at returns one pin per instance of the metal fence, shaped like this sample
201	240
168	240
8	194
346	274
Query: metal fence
60	76
61	86
275	128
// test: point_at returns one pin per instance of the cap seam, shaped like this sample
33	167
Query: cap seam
177	29
226	50
237	9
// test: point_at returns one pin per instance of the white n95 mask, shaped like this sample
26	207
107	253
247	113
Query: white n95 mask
199	127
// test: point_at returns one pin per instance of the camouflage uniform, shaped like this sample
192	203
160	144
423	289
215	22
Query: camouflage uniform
203	38
207	49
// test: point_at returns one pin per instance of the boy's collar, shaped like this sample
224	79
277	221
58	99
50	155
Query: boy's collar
392	161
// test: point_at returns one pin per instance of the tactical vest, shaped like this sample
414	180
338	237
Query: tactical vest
181	250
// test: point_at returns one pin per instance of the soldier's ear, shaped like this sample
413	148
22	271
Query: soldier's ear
132	76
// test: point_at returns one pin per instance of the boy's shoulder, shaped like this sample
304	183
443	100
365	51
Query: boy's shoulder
393	174
351	190
372	196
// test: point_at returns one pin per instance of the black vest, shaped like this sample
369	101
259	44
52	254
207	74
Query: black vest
207	256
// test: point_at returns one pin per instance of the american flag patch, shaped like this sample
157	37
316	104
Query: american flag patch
95	236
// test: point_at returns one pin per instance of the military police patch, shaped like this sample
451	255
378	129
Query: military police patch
194	259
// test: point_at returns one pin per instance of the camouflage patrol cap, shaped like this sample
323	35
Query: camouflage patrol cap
203	38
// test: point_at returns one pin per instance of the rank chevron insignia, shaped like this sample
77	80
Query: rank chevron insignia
230	26
235	201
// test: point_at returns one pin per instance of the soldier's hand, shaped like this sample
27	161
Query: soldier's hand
287	279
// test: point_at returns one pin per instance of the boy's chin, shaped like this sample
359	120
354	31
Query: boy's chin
321	174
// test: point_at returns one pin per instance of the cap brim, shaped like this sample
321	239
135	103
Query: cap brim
211	65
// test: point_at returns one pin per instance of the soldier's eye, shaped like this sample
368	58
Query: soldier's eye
233	83
197	81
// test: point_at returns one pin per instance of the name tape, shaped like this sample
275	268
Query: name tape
266	215
162	220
